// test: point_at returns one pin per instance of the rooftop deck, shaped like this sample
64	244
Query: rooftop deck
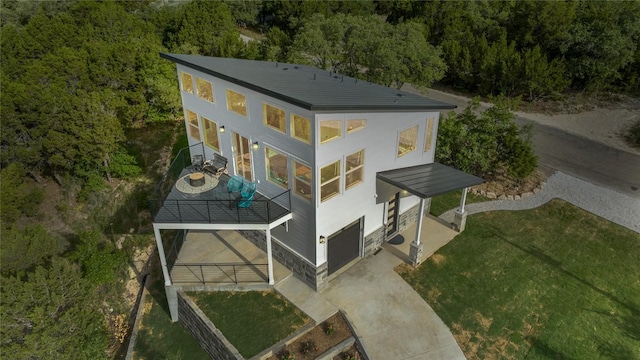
177	201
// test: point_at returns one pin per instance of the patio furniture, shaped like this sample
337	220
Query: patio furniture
197	162
216	166
242	190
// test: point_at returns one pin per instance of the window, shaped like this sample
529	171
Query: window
407	141
236	102
354	173
355	125
194	129
330	129
330	181
211	134
187	82
205	90
427	141
302	180
277	169
301	128
274	117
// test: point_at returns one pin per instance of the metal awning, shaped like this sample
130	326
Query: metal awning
425	181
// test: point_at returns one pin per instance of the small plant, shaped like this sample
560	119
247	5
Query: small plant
287	355
329	329
309	347
350	356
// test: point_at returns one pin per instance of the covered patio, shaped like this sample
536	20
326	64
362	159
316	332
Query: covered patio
426	181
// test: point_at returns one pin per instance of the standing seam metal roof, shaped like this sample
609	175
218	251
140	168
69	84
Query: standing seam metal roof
308	87
429	180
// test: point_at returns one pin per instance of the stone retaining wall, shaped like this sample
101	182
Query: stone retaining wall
316	278
499	196
202	329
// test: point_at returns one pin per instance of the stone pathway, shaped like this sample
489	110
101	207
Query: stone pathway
608	204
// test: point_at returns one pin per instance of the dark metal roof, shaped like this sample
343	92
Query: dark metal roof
429	180
308	87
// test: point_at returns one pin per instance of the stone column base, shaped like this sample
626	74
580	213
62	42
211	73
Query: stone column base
459	221
415	253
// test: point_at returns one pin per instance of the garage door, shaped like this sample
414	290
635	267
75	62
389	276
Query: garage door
343	246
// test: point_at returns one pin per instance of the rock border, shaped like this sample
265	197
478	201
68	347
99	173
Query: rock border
496	196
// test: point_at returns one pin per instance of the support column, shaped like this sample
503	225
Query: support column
415	250
163	259
460	216
419	225
463	199
269	257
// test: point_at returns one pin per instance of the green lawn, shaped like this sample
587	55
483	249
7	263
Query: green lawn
158	337
553	282
251	321
448	201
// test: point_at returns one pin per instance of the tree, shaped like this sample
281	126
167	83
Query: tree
487	144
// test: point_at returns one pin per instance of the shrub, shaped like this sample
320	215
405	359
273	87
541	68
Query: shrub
632	135
309	347
329	329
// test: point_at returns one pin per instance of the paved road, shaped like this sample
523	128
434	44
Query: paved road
575	155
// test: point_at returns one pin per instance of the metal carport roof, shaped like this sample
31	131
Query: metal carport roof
429	180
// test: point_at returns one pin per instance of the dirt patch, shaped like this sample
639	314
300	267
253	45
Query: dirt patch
321	338
437	259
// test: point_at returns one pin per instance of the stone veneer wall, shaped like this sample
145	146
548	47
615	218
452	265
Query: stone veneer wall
374	240
202	329
316	278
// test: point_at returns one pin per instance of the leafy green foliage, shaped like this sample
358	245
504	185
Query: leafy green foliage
17	197
51	314
485	144
124	165
99	258
24	248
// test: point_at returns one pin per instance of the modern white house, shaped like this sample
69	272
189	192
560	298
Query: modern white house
341	165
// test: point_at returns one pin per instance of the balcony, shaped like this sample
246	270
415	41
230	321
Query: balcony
177	201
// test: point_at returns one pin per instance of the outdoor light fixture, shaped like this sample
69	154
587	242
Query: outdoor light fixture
323	239
221	129
255	145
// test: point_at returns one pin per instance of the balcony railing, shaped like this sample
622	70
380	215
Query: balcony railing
217	206
219	273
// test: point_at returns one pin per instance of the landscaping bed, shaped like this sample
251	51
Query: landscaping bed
319	340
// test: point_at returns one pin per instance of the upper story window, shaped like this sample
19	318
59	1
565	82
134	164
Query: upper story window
211	134
187	82
274	117
329	130
407	140
236	102
301	128
330	181
205	89
277	168
355	125
429	138
194	129
302	180
354	172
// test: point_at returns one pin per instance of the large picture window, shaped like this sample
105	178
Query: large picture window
354	125
277	168
205	89
330	181
429	138
302	180
274	117
194	129
407	141
236	102
354	172
211	134
330	129
301	128
187	82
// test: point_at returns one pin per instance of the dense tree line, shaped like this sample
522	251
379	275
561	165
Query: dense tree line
78	76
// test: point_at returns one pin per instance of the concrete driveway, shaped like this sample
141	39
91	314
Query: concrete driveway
391	319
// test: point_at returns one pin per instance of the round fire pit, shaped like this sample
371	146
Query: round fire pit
196	179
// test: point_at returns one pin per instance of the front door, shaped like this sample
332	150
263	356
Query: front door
392	214
242	156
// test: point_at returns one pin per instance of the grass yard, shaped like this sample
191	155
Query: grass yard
553	282
451	200
252	321
158	337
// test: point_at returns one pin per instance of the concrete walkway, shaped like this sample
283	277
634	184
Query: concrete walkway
391	320
608	204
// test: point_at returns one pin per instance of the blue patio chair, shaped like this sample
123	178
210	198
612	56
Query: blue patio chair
235	184
246	194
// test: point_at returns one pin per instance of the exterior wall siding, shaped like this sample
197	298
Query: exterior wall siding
379	140
300	236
